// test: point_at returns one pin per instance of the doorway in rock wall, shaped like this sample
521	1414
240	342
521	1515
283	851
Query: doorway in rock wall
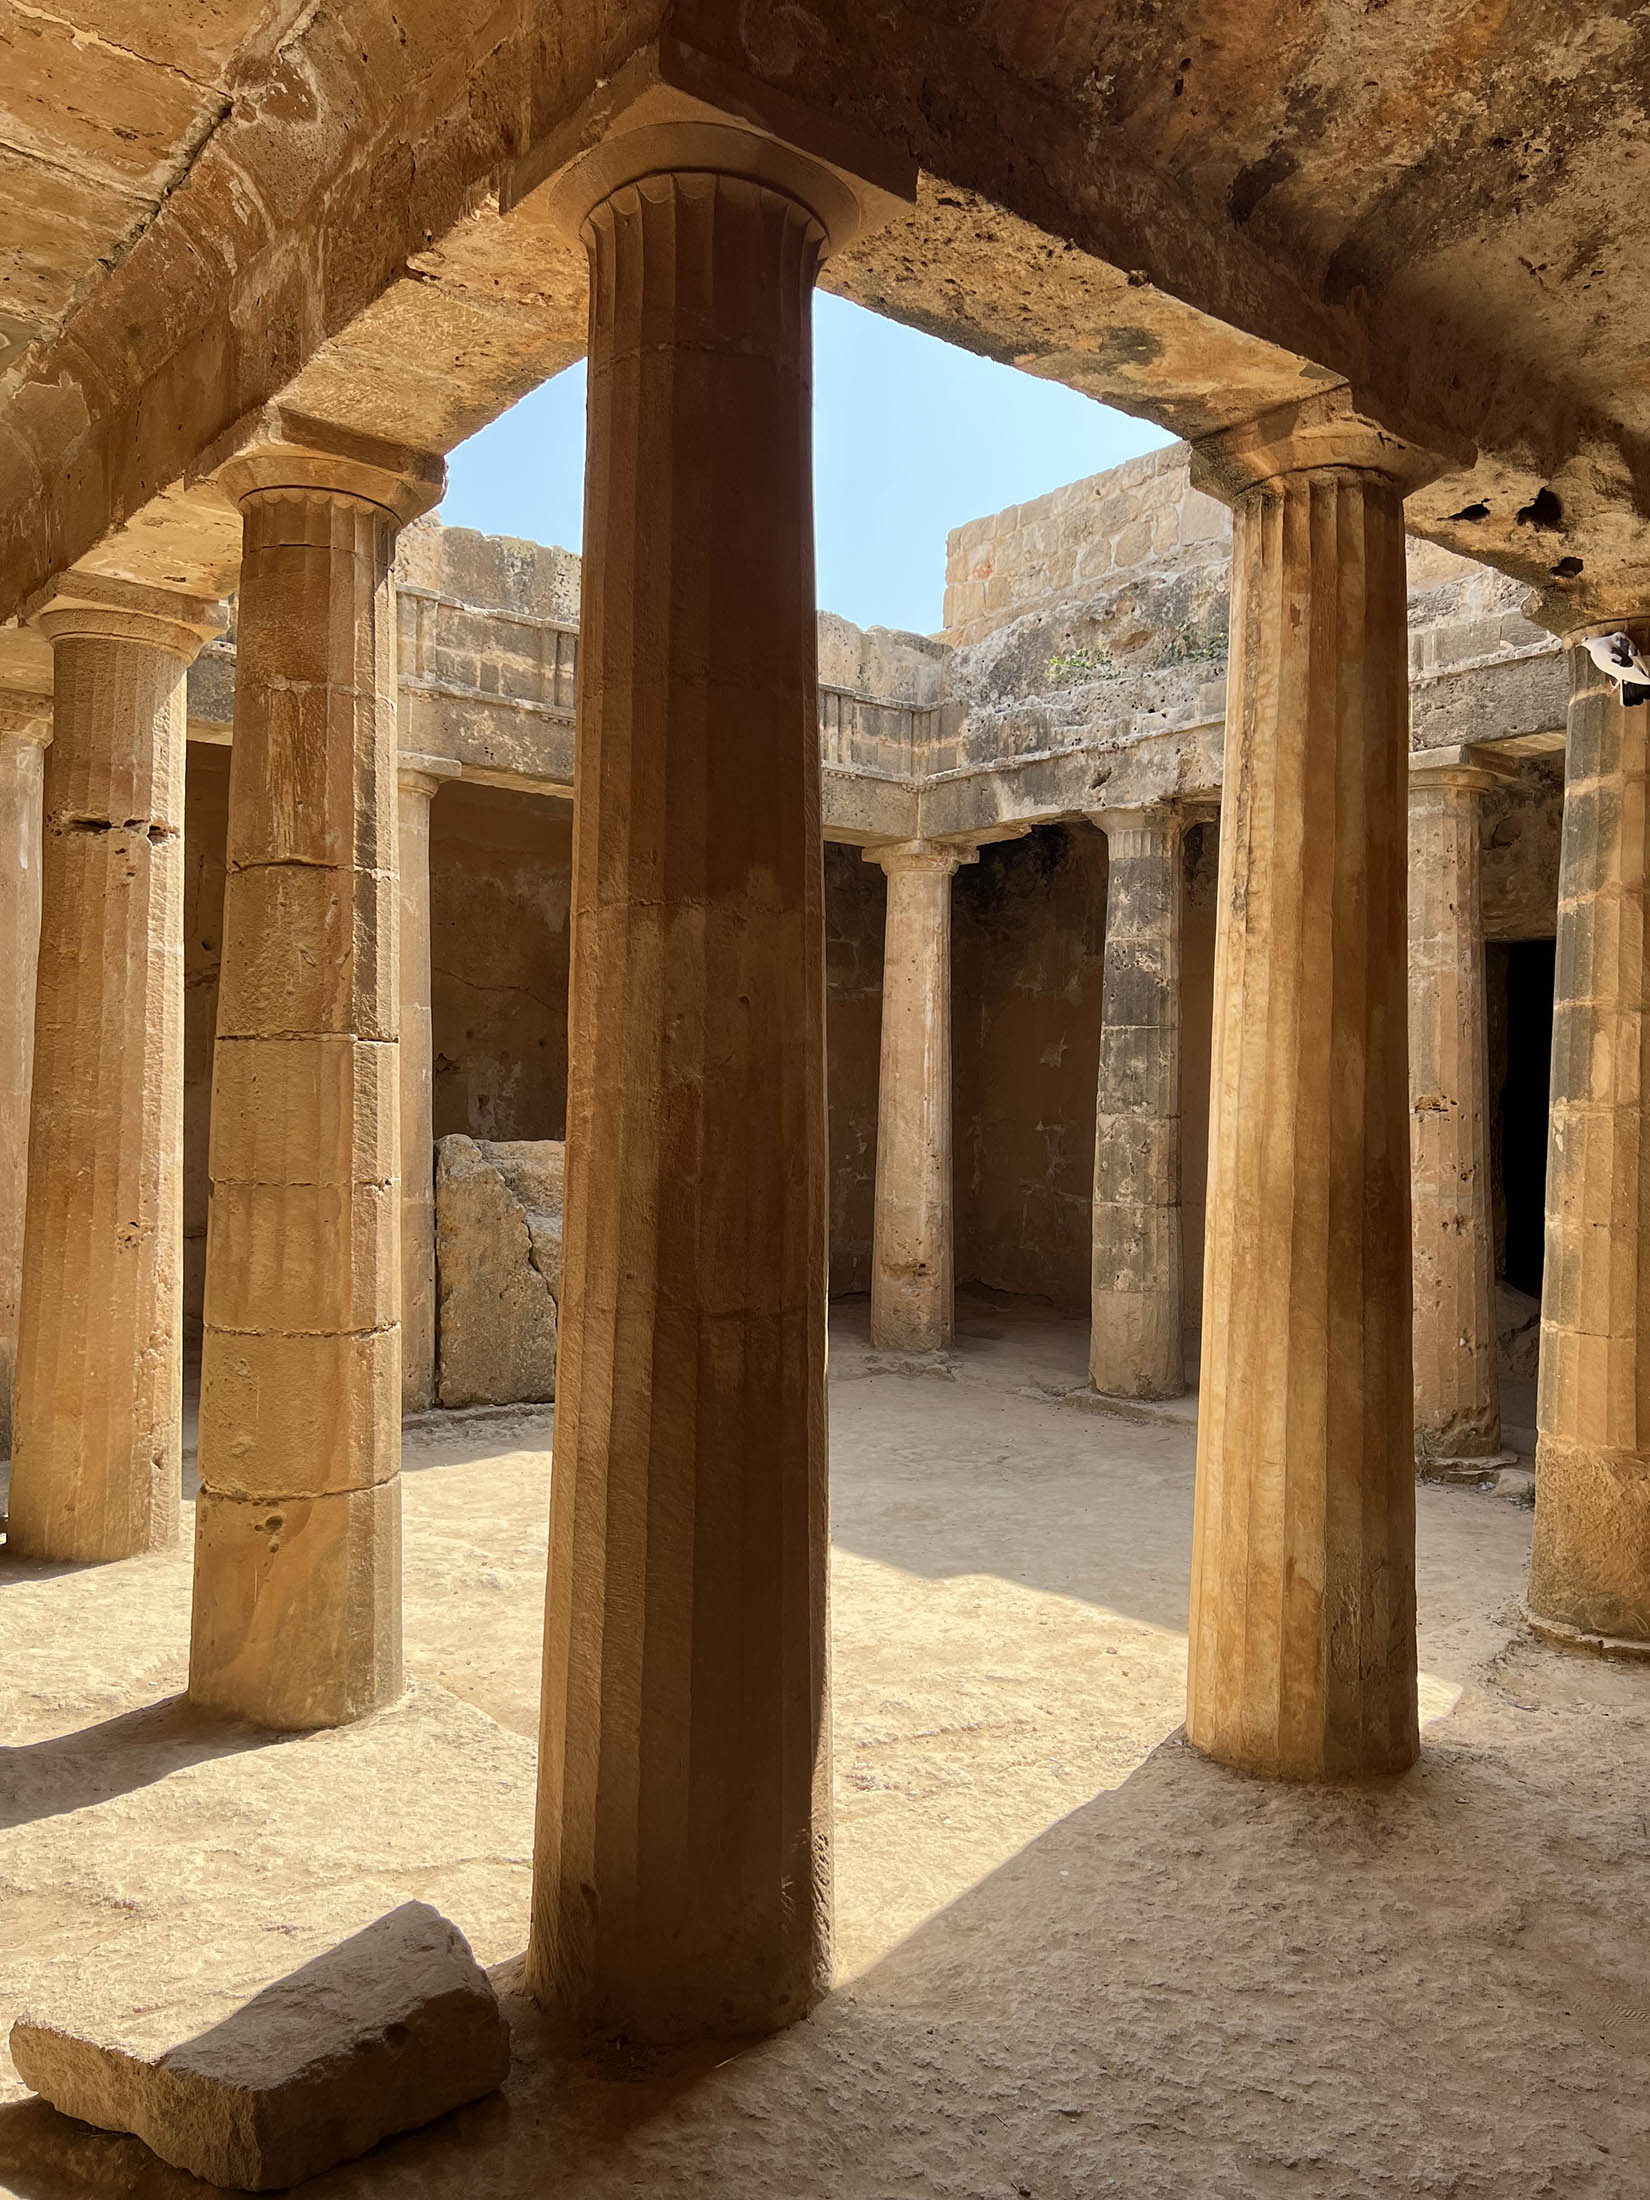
1521	1001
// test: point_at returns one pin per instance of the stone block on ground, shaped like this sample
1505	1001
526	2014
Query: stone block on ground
392	2028
1518	1333
498	1217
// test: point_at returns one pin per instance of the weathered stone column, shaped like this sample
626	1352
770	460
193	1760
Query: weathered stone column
682	1863
98	1403
421	777
1457	1402
25	729
1590	1565
297	1607
1136	1349
1302	1658
912	1277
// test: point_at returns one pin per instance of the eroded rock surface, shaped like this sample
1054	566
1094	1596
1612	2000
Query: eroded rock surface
392	2028
498	1211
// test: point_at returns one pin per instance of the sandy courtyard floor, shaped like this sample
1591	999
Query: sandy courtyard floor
1074	1957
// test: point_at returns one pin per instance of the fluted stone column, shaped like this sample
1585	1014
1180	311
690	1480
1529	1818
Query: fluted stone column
1590	1565
1136	1348
912	1275
420	779
1457	1401
25	729
297	1619
98	1399
1302	1659
682	1860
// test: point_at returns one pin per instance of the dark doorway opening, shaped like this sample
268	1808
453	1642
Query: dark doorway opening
1522	1114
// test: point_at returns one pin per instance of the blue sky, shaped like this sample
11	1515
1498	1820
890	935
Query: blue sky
911	438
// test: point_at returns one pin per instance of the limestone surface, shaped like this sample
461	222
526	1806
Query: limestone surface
498	1205
385	2032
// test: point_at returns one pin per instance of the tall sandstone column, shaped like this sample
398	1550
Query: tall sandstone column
1590	1566
1302	1656
1136	1347
98	1403
25	729
1457	1403
682	1858
913	1296
420	779
297	1618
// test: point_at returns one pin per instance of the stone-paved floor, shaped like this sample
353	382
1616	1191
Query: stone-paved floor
1075	1958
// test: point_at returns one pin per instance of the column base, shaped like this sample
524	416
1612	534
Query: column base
1465	1473
1564	1637
297	1606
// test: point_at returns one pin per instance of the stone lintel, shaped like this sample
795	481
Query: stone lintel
277	448
671	108
93	605
1319	433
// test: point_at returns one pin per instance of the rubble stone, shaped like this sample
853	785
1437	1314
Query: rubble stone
392	2028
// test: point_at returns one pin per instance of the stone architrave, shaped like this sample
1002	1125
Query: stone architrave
1136	1345
682	1859
1590	1563
25	729
98	1399
1302	1653
297	1602
1457	1399
420	779
913	1296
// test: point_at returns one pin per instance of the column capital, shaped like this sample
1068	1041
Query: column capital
25	720
425	775
943	856
97	607
1320	434
1462	766
1139	817
672	109
276	449
1575	612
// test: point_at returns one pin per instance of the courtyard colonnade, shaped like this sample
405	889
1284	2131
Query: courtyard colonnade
684	1755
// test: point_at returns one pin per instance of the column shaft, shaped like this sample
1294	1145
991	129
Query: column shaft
1136	1348
682	1857
99	1388
912	1274
1590	1566
1303	1607
418	786
297	1619
25	728
1457	1403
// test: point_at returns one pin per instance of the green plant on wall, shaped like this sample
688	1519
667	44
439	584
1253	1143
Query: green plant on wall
1190	645
1068	666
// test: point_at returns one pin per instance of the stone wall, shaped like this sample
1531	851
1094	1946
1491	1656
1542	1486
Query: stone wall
501	867
856	907
1079	540
1029	942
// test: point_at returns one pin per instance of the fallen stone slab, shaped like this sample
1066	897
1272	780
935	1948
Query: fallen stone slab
388	2030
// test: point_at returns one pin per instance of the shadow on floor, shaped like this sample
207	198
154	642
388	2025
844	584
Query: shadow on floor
73	1771
1196	1983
